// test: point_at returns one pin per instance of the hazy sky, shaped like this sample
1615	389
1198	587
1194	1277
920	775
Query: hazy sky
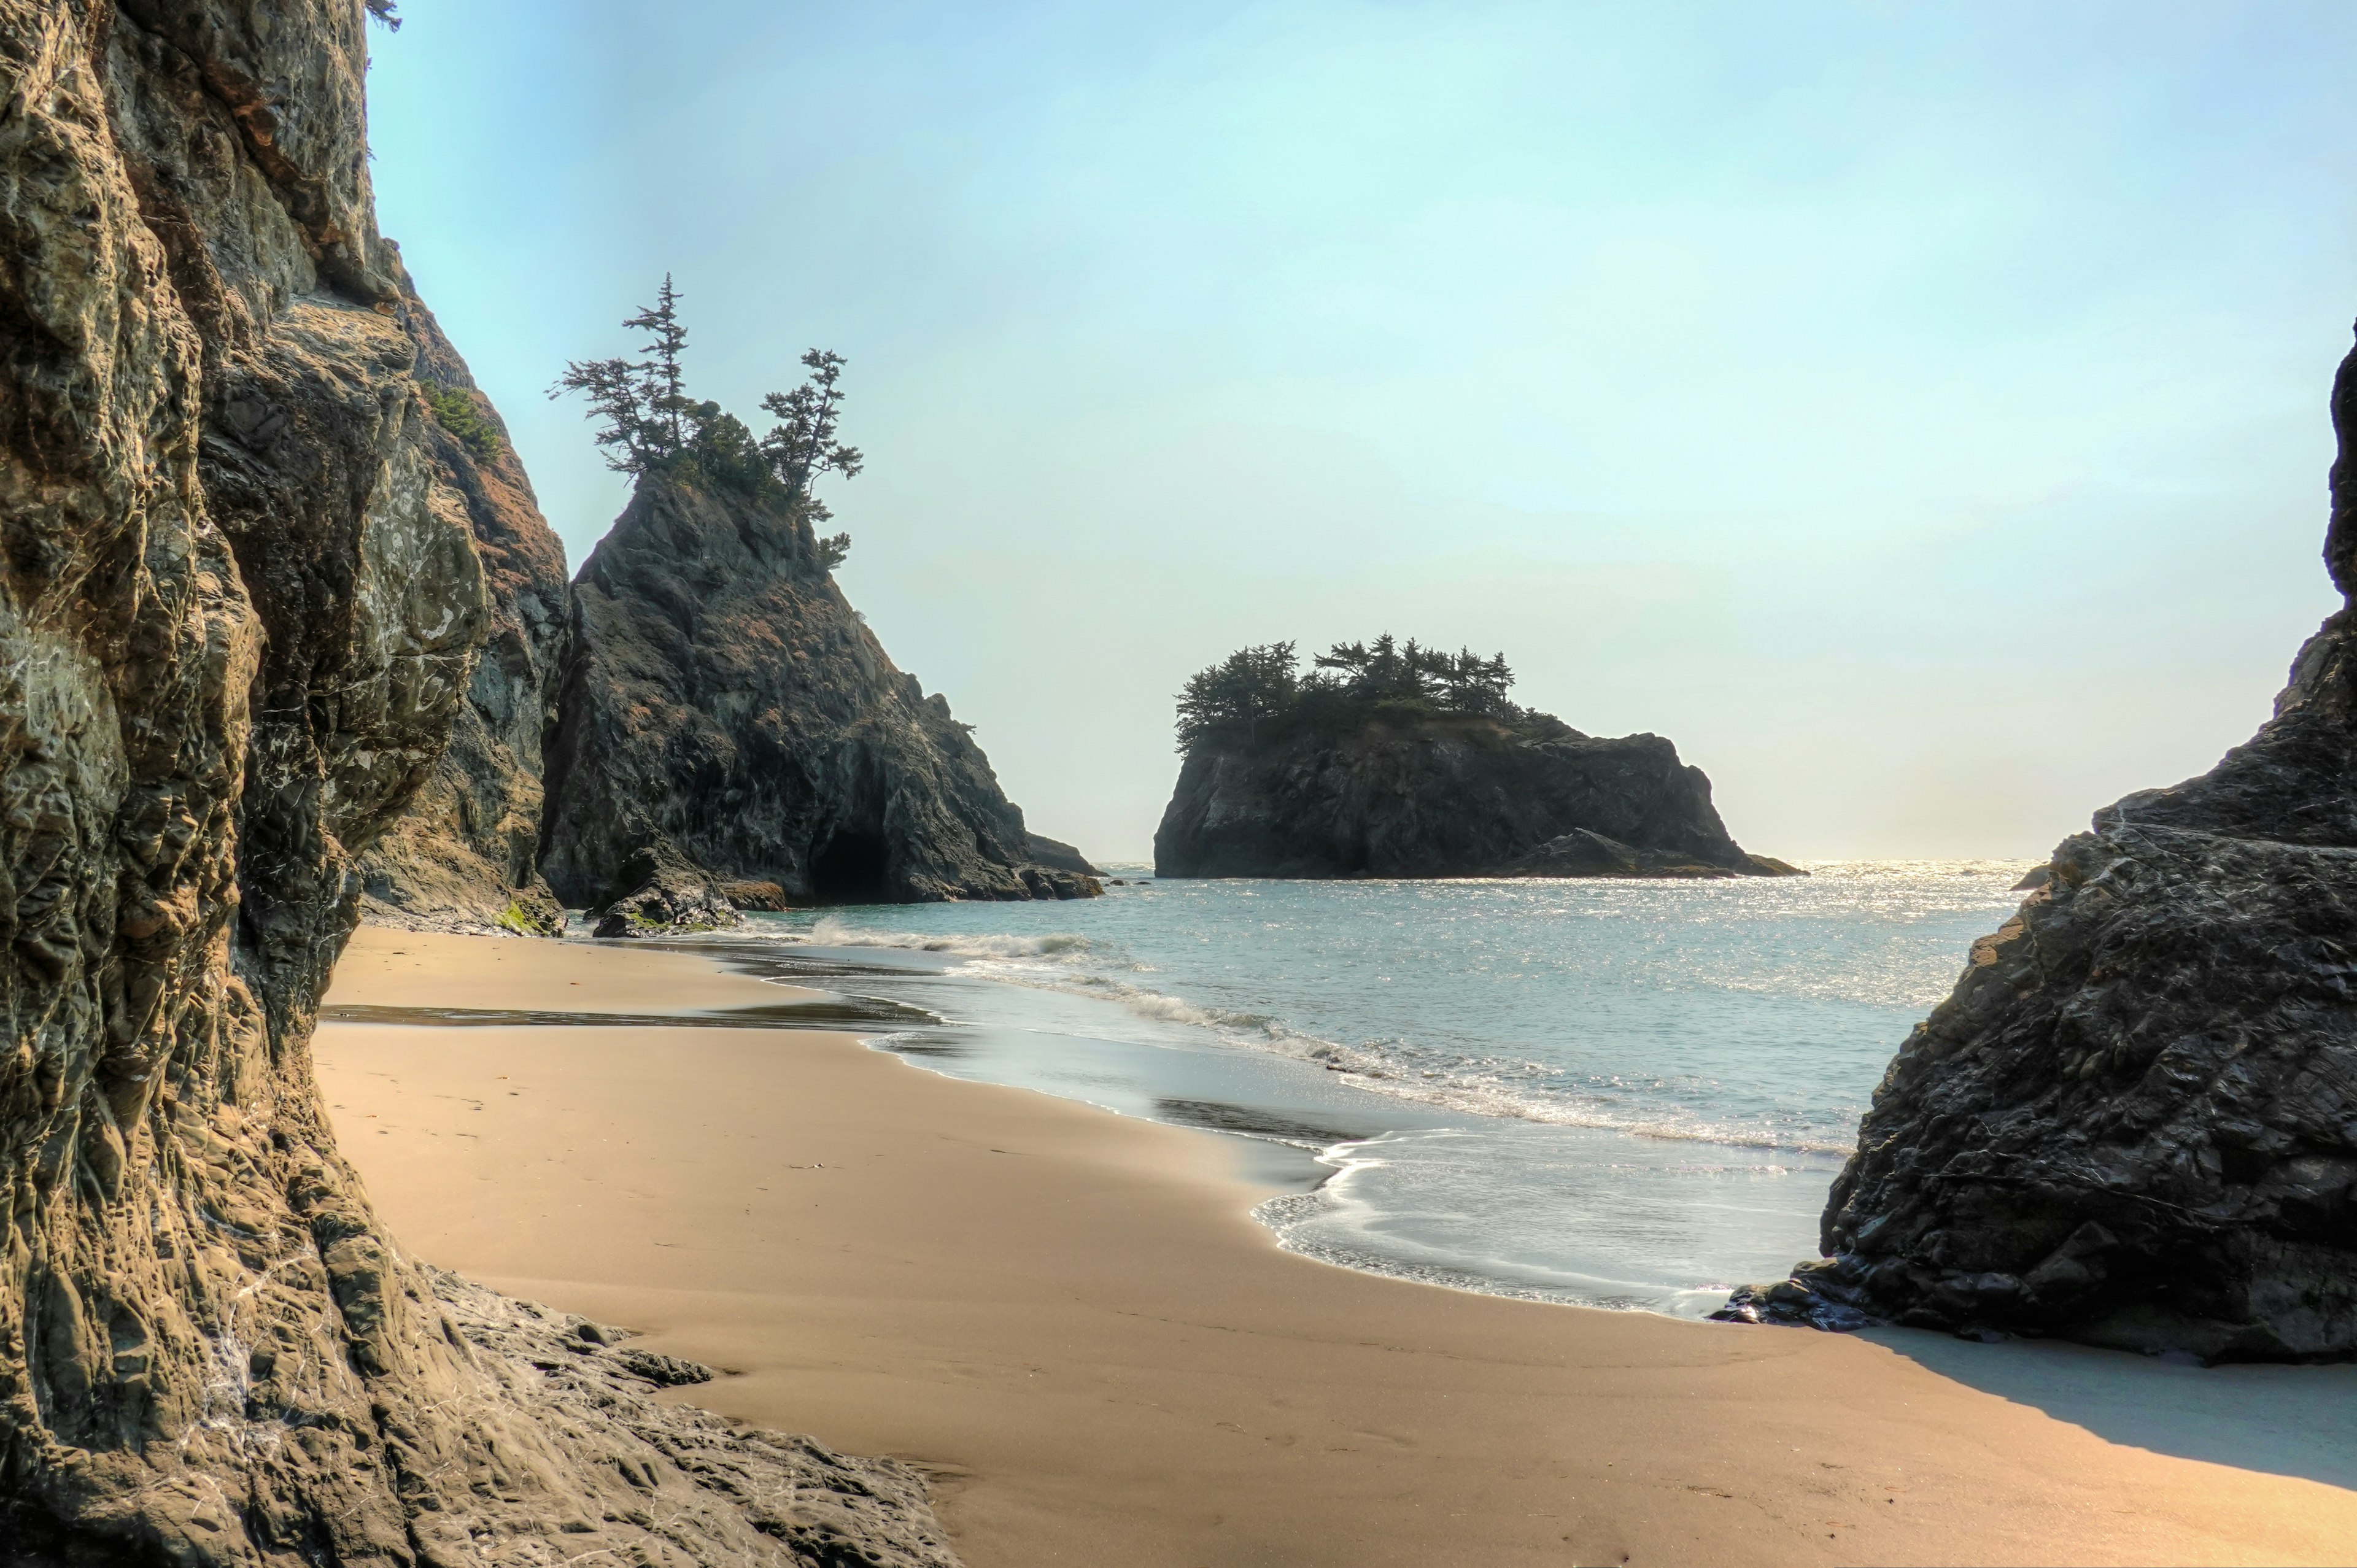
1915	412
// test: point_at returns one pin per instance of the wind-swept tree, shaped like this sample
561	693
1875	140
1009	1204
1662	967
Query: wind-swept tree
801	445
1473	684
667	403
1255	694
1463	682
626	396
1238	694
646	420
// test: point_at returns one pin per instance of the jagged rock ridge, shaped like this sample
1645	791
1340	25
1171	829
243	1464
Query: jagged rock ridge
1445	795
465	854
240	604
731	733
2135	1122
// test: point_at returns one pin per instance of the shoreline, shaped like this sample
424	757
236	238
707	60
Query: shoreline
1070	1319
1615	1095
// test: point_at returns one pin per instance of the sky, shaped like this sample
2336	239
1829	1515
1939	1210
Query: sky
1917	412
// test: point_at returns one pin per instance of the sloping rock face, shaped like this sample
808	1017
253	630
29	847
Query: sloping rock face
240	604
465	854
1450	795
1056	854
2135	1122
725	713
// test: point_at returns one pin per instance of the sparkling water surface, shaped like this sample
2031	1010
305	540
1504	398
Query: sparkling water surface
1619	1093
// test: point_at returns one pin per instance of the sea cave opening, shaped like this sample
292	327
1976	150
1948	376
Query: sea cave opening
849	868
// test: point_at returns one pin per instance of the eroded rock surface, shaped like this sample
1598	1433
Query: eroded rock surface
241	602
465	855
725	713
2135	1122
1455	795
688	1471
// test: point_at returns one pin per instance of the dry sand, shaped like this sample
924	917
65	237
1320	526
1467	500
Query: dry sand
1069	1318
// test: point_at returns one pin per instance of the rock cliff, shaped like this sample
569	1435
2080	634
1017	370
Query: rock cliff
2135	1122
1446	795
465	854
241	603
730	732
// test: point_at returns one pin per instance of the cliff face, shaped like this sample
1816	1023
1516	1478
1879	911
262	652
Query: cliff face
465	854
1447	796
2135	1122
240	604
730	730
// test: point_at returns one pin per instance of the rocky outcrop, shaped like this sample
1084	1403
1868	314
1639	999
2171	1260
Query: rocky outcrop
668	896
2135	1122
241	602
1449	795
723	710
465	854
689	1472
1057	855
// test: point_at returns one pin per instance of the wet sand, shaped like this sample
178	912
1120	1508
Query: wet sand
1069	1318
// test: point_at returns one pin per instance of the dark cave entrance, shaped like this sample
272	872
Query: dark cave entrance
850	868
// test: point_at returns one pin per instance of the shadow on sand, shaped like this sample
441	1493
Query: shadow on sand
2287	1420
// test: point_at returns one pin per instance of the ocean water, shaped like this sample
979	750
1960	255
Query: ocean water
1619	1093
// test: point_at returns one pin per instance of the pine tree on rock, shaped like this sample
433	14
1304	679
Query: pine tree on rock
646	420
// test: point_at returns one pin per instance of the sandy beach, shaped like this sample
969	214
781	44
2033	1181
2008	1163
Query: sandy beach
1069	1318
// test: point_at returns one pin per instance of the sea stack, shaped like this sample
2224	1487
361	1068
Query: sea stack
731	734
1409	763
2135	1122
240	605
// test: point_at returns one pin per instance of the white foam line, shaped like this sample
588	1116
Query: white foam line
997	957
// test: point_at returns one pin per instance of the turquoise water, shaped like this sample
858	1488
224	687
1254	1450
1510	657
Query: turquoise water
1620	1094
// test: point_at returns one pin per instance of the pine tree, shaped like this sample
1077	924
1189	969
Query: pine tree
801	445
1237	695
646	420
639	403
668	405
1253	696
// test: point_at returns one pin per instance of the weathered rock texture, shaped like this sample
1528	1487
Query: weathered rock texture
240	604
725	713
1058	856
1454	795
466	854
2135	1122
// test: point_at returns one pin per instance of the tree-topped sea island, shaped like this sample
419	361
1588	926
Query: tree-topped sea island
729	734
1392	759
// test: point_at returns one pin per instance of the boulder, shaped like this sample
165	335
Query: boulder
668	896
